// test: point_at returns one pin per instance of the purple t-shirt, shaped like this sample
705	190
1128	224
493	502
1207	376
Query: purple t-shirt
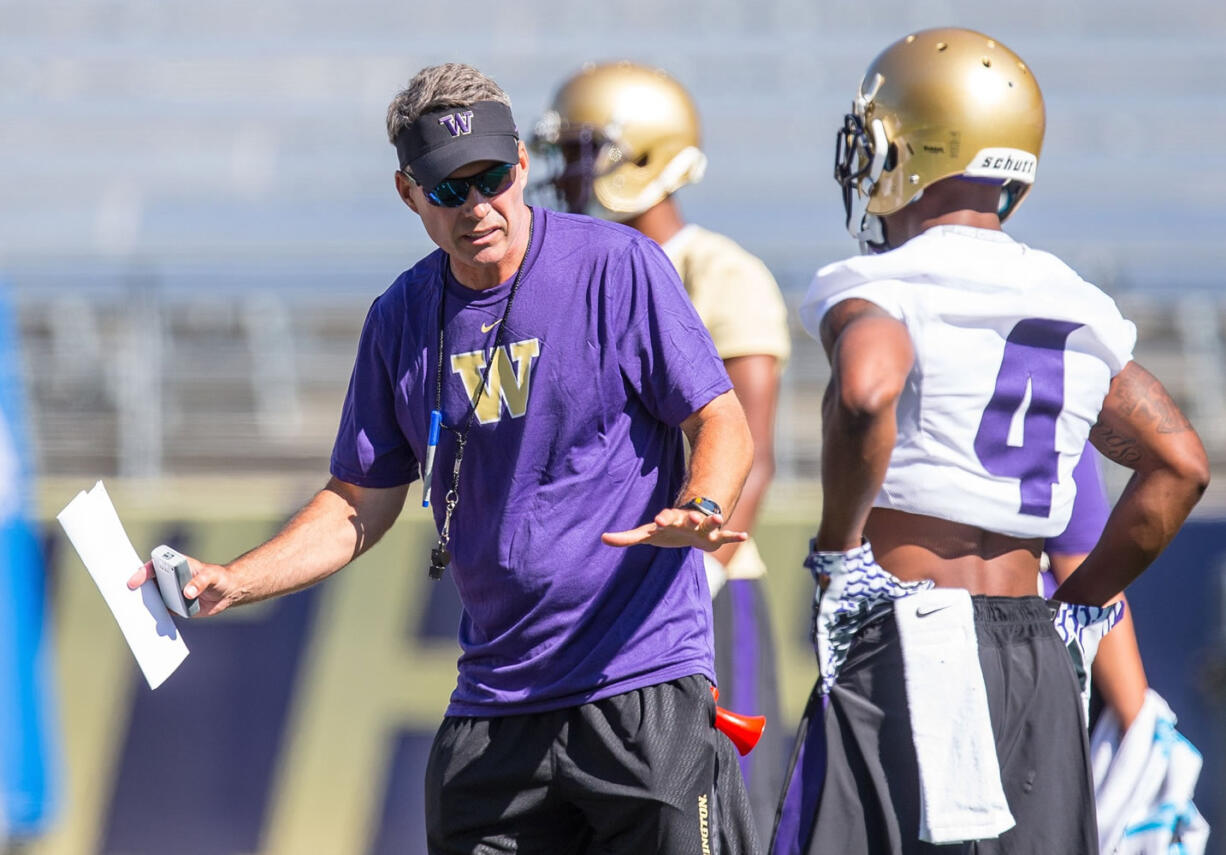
1090	509
602	358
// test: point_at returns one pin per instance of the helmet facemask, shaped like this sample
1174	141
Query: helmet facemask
569	165
860	156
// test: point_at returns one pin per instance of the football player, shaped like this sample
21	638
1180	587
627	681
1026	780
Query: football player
623	139
967	372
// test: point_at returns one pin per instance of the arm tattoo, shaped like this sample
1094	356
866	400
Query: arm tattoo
1142	398
1116	446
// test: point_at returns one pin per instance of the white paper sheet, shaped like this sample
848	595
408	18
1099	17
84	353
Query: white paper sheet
93	526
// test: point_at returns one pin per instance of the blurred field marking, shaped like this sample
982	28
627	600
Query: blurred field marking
97	682
363	681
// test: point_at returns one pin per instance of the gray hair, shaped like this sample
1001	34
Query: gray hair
440	87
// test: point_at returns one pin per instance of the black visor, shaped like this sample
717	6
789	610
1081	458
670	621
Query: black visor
440	142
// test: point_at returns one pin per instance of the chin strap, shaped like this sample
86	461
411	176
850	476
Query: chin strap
872	235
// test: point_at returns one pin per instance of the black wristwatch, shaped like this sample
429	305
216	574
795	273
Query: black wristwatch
706	507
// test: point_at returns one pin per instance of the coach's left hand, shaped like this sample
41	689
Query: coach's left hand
678	527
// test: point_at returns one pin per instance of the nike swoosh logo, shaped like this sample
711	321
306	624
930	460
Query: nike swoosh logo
488	327
931	611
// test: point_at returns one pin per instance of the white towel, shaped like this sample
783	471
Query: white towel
1143	784
961	797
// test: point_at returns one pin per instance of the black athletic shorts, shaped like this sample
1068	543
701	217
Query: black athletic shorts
853	787
641	773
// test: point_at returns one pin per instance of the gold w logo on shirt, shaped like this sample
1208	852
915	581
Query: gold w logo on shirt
507	384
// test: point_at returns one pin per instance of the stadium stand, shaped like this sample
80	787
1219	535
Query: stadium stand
222	178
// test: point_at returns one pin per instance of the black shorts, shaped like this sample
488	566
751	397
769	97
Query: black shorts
853	787
643	772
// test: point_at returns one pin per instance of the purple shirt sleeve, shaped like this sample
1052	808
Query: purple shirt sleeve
370	449
665	352
1090	509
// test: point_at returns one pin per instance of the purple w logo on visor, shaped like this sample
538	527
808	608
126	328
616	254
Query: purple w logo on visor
458	123
438	142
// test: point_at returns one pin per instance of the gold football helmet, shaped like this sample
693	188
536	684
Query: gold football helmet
935	104
622	137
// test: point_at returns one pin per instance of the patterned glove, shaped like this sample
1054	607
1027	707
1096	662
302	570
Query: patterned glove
1081	628
852	589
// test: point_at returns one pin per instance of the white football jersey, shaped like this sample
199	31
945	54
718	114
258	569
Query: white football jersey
1014	353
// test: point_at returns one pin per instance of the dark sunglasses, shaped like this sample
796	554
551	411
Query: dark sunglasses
453	192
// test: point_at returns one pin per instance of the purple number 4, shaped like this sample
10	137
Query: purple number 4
1034	358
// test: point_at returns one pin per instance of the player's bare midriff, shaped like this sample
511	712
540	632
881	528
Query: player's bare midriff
953	555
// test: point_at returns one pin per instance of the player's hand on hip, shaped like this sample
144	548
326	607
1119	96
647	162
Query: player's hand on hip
212	584
678	527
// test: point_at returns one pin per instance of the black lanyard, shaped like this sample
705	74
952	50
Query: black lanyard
440	556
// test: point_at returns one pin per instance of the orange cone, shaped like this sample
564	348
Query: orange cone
743	730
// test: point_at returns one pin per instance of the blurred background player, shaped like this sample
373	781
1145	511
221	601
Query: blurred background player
624	138
1144	777
967	372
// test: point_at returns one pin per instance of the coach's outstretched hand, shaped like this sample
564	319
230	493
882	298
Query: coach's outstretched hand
678	527
212	584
